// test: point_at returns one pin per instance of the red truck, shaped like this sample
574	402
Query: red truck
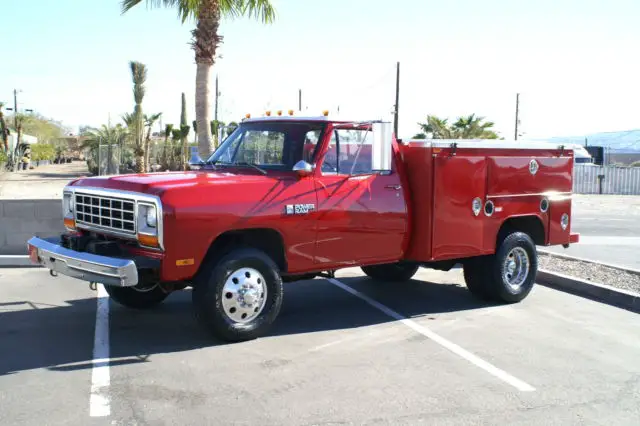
291	198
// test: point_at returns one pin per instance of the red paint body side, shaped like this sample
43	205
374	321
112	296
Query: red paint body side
443	184
421	211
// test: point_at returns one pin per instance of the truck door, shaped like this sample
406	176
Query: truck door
361	215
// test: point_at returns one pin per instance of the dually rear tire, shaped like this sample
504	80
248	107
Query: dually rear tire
509	275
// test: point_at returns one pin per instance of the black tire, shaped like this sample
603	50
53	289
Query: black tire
207	295
485	276
137	298
475	276
397	272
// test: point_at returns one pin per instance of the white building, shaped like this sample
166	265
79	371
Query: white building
13	137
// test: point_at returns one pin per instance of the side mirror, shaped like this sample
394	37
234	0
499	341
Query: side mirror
302	168
381	150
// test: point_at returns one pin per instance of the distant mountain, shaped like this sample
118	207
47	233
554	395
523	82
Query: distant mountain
617	142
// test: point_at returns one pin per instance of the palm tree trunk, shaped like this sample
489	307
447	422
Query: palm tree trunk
146	150
205	143
139	161
205	43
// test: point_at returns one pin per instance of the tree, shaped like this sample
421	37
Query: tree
437	127
472	127
149	121
206	39
165	160
139	78
105	135
4	130
468	127
184	133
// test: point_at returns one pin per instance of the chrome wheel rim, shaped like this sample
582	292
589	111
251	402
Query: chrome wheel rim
244	295
516	268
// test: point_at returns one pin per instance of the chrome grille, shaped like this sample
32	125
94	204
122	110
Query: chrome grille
109	213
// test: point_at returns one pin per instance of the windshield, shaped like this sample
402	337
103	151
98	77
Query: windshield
271	145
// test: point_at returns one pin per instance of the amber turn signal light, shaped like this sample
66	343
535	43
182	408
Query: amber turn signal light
148	240
70	223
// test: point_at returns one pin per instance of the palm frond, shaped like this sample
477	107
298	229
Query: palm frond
187	9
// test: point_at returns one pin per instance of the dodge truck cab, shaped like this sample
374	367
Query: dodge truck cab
289	198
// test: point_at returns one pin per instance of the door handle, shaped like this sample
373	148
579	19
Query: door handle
396	187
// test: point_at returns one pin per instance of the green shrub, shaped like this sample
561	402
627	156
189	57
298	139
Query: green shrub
43	151
635	164
3	157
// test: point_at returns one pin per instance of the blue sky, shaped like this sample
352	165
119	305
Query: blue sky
575	63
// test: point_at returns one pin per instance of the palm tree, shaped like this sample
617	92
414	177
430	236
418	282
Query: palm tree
139	77
472	127
105	135
149	121
206	39
4	131
437	127
468	127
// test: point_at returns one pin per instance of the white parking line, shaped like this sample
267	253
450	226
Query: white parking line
489	368
99	403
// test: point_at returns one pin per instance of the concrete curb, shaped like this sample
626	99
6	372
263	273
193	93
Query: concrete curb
580	259
595	291
16	261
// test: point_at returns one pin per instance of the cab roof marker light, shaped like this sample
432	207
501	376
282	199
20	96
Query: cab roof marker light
290	112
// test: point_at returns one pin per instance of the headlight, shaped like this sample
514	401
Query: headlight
67	205
152	217
147	219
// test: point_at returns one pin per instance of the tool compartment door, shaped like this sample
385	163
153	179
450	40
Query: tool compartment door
457	232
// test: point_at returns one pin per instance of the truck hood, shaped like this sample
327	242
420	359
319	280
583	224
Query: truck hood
158	183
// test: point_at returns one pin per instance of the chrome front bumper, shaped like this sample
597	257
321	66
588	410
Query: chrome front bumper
83	266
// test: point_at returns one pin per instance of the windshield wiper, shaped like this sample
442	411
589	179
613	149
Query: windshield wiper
245	164
204	163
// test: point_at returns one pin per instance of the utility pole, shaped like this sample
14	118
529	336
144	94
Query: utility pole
299	99
395	115
517	114
15	109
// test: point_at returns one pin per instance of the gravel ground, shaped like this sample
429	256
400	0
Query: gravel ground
591	272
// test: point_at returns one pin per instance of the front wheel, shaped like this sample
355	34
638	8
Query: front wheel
138	297
400	271
239	297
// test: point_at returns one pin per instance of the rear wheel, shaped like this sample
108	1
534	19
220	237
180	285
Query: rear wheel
238	297
138	297
476	278
401	271
507	276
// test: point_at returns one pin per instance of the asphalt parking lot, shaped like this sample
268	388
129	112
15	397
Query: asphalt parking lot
332	358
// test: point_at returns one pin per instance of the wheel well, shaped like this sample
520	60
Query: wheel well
268	240
531	225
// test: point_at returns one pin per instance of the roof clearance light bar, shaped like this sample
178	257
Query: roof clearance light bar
325	113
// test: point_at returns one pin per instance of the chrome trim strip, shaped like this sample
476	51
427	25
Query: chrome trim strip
85	266
136	197
553	196
485	143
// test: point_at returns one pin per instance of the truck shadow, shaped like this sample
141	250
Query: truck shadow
60	338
